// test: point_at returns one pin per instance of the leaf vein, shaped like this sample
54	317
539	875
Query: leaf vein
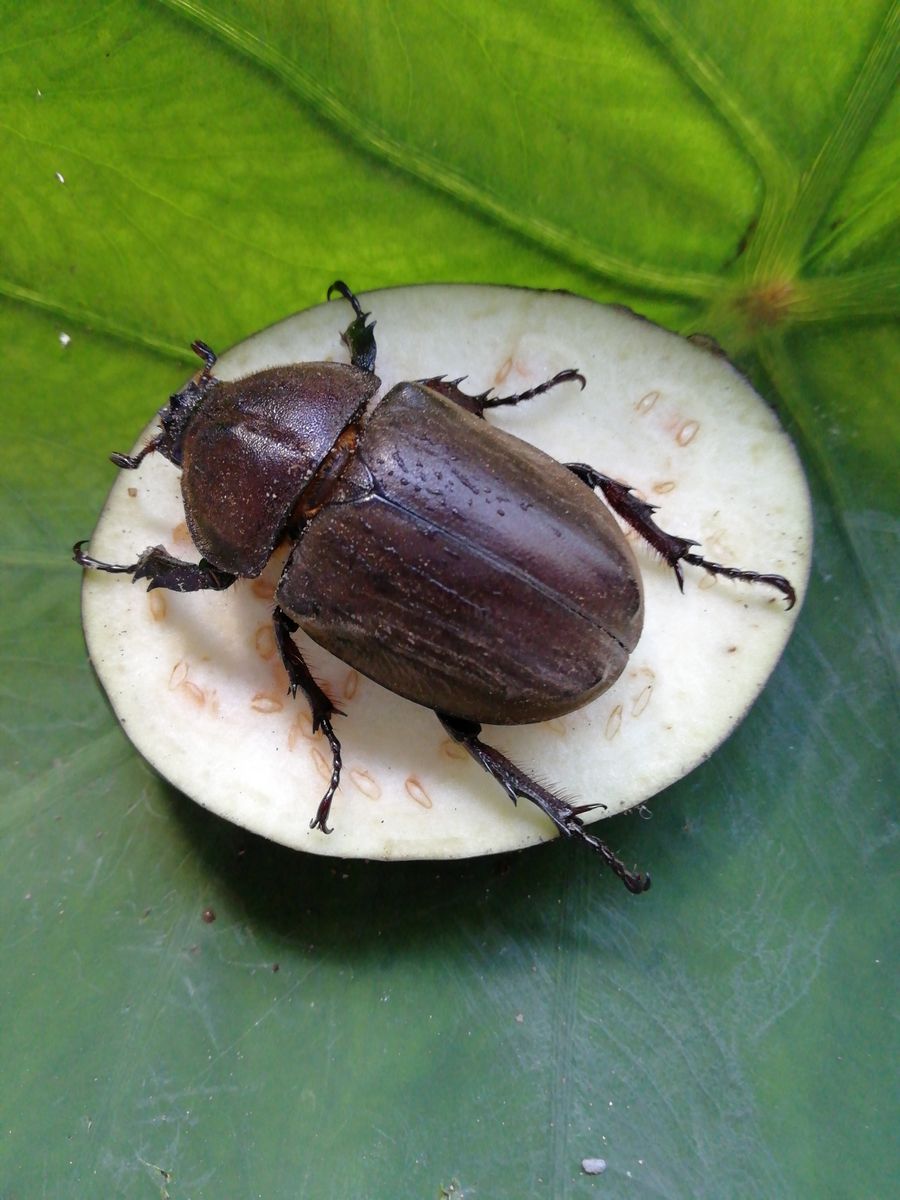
384	147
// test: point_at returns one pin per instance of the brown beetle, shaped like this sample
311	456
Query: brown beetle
451	562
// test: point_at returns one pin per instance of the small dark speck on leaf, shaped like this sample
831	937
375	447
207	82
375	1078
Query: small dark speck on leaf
209	915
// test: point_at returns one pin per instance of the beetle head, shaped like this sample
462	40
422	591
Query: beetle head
177	415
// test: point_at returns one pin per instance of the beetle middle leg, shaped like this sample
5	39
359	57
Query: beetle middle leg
162	570
516	783
450	389
300	677
674	550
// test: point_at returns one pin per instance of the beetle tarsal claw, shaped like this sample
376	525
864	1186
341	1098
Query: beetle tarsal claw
775	581
342	290
570	375
96	564
634	881
320	820
130	462
208	355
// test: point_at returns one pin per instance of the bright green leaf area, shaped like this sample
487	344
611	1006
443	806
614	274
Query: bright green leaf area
186	170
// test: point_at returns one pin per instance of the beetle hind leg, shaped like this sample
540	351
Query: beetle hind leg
674	550
516	783
300	678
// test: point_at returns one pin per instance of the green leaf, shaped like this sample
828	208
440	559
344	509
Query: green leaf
199	170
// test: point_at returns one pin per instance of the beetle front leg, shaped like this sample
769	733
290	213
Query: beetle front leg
516	783
674	550
162	570
358	336
450	389
300	677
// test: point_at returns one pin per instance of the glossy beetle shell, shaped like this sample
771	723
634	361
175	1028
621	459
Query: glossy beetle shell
466	570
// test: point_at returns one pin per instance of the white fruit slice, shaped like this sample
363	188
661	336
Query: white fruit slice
196	680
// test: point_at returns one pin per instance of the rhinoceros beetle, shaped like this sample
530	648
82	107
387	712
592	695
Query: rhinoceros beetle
451	562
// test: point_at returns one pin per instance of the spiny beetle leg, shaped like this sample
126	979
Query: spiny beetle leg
358	336
674	550
516	783
300	677
569	375
477	404
162	570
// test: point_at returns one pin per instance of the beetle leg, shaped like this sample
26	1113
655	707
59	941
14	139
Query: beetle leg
477	404
674	550
358	336
162	570
130	462
300	676
210	358
516	783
